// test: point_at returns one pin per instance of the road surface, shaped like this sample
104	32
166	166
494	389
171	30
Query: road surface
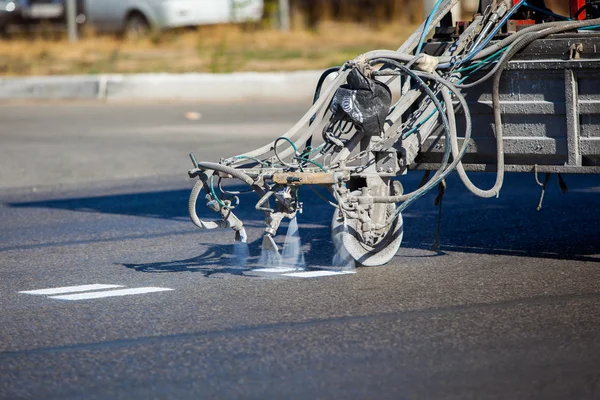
90	194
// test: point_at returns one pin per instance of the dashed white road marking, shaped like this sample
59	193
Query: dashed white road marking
109	293
318	274
70	289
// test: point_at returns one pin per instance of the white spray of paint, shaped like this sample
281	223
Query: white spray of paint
269	259
342	260
292	256
241	253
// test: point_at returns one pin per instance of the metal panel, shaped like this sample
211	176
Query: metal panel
550	112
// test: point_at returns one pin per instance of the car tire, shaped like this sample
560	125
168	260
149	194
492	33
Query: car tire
136	26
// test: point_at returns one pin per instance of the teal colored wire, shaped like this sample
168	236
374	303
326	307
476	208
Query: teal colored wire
249	158
214	195
420	124
312	151
312	162
479	67
485	61
289	141
589	27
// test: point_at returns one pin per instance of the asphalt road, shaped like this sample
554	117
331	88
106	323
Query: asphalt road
507	308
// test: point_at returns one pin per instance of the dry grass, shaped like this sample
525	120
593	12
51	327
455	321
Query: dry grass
216	48
207	49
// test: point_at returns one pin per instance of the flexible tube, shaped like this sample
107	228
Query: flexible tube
425	30
524	41
236	173
417	77
460	169
511	38
415	195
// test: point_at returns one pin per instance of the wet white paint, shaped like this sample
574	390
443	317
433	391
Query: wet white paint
110	293
318	274
70	289
276	270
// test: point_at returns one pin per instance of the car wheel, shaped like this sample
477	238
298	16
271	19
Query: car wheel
136	26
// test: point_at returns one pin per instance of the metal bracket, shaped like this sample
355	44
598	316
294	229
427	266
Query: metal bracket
575	51
386	162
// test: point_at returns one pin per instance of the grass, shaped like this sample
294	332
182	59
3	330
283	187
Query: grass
215	49
227	48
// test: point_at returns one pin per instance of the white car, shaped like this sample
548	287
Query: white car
137	17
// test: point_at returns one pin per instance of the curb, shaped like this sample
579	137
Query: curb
298	85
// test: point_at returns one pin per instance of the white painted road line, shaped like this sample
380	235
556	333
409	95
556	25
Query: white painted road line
109	293
70	289
318	274
277	270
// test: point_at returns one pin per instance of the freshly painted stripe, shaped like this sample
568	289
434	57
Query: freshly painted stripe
109	293
277	270
71	289
318	274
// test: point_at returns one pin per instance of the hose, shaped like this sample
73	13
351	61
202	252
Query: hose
498	71
417	77
229	192
192	208
441	174
511	38
317	108
426	26
227	170
494	191
524	41
495	31
200	185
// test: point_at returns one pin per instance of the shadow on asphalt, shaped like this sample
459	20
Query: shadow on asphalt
169	204
567	227
213	256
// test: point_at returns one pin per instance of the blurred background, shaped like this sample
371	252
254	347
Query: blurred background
217	36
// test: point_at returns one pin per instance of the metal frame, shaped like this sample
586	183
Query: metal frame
551	111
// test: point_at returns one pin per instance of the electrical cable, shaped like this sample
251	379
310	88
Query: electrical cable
332	204
417	77
468	130
489	38
277	154
234	193
495	31
546	12
525	40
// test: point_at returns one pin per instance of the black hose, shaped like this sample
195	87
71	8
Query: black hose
320	83
585	7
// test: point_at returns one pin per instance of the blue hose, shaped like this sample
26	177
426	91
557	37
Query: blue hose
426	26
